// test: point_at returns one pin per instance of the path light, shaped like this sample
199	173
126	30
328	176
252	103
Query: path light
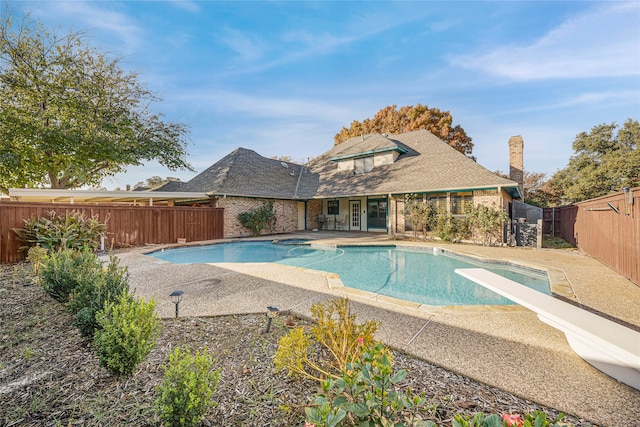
271	313
176	297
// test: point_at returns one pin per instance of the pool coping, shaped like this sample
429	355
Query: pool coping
559	285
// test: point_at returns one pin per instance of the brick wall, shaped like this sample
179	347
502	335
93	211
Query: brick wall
314	208
488	198
286	215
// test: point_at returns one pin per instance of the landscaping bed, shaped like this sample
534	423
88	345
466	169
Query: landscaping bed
50	374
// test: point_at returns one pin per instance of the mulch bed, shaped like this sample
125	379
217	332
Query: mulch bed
50	375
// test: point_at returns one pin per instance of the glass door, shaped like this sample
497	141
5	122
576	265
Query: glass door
377	213
354	208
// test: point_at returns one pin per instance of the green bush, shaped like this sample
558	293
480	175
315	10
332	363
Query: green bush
258	219
367	395
80	281
70	231
487	222
422	216
62	271
128	329
186	390
36	256
532	419
449	228
94	290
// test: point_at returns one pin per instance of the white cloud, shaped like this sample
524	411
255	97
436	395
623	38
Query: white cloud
604	41
585	99
101	16
248	48
190	6
264	107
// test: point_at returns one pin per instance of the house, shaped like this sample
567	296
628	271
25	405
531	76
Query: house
361	184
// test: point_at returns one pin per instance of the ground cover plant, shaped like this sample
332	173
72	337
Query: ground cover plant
51	375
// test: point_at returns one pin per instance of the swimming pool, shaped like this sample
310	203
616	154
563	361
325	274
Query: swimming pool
415	274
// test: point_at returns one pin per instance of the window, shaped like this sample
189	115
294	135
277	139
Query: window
460	202
438	201
333	207
363	164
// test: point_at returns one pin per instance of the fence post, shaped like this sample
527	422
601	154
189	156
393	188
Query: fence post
539	234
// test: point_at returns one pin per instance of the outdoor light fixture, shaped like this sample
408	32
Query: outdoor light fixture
176	297
271	313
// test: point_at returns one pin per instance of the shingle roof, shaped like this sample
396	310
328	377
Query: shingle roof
244	172
427	165
374	143
170	185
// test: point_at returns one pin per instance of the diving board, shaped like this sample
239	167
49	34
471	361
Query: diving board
610	347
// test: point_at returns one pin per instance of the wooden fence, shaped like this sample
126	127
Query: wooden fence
126	225
560	222
606	228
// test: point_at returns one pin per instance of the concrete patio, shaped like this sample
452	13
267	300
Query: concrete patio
507	348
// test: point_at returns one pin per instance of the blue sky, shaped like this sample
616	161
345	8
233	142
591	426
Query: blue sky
282	78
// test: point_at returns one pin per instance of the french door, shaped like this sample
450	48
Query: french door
354	209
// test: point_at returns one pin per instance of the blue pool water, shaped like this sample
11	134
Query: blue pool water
406	273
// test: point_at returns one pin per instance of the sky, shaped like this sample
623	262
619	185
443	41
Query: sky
282	78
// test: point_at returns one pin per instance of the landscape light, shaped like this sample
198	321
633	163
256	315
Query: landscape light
271	313
176	297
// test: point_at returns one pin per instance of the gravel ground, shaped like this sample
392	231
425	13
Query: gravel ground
50	376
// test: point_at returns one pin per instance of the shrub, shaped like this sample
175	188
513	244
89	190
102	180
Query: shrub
422	216
367	395
128	330
335	340
532	419
80	281
61	272
487	221
185	392
97	288
258	219
70	231
36	256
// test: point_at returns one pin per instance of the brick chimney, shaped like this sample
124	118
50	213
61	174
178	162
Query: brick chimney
516	161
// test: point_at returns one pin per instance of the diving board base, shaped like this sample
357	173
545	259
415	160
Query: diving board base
608	346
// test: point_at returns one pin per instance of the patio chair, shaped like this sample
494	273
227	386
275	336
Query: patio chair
322	220
340	222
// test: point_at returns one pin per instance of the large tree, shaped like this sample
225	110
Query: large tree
537	189
604	161
408	118
70	116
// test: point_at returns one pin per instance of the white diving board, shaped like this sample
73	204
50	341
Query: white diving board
610	347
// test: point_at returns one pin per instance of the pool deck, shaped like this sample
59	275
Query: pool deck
506	347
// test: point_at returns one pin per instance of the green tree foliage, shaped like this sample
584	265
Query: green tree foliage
409	118
537	189
155	181
70	116
604	161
